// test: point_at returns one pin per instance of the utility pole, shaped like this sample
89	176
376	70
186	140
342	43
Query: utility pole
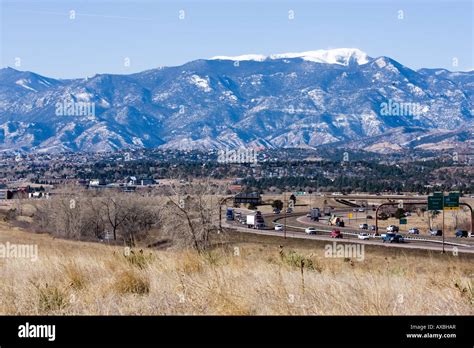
221	202
455	216
285	212
443	232
220	215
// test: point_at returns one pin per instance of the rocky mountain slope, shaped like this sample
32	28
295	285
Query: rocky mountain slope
304	99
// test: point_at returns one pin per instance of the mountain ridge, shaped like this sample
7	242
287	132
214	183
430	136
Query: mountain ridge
215	103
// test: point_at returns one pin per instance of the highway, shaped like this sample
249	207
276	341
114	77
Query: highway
297	222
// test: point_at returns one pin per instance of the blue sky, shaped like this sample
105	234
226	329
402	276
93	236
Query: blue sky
103	34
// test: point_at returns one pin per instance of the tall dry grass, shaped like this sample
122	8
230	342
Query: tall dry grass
86	278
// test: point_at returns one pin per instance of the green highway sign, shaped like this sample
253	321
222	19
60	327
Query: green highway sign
451	202
403	221
438	202
435	202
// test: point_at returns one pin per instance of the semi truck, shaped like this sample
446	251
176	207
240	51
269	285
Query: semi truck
336	221
230	214
315	214
255	221
327	210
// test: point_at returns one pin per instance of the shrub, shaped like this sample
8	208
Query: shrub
75	276
139	259
132	282
51	298
294	259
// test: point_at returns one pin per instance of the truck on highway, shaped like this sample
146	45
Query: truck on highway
336	221
255	221
230	214
315	214
392	228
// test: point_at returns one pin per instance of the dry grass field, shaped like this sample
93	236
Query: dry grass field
245	276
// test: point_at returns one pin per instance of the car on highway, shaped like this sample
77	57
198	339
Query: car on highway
354	210
363	236
461	234
276	211
364	226
310	230
436	232
279	227
361	210
414	230
336	234
393	238
392	228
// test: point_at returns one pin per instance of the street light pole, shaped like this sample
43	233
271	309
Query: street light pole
366	210
222	201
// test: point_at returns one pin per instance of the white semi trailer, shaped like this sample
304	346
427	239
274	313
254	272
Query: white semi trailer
255	221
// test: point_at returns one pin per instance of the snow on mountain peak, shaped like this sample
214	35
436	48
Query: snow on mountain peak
255	57
341	56
25	84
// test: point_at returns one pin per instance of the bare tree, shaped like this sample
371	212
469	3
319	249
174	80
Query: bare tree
138	222
115	212
95	222
194	212
129	215
62	215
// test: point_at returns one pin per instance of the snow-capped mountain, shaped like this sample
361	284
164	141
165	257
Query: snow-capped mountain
342	56
339	96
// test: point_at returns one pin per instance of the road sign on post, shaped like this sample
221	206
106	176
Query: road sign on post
435	202
451	201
